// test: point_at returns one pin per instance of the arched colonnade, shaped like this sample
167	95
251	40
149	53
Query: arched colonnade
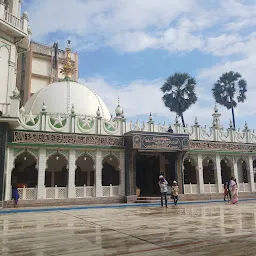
207	173
57	174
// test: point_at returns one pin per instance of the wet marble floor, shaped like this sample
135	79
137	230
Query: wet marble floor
194	230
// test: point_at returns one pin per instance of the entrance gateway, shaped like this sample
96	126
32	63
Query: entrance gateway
149	155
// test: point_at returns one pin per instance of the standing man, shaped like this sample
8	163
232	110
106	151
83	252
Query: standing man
163	189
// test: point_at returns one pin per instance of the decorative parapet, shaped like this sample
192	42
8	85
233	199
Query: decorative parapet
81	124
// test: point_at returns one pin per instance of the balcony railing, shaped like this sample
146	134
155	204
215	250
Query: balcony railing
13	20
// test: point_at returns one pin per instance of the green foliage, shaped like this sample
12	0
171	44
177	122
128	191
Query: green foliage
230	89
179	93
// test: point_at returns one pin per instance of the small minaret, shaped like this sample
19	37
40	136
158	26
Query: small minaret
216	117
118	110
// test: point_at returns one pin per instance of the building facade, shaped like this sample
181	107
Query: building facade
67	146
14	39
64	146
39	67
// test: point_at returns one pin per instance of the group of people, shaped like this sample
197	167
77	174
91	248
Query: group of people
163	185
231	191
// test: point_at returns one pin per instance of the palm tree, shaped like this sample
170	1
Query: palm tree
229	88
179	93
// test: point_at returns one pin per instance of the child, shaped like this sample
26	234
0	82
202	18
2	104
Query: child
175	192
15	194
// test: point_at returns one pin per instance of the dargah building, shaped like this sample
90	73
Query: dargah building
64	146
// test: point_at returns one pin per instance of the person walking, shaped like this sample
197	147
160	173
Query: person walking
15	194
163	189
175	192
234	191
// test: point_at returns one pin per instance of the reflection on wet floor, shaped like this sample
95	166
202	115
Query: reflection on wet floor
183	230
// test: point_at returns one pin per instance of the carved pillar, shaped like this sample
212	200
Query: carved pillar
218	177
71	174
235	169
130	172
200	173
122	173
41	174
98	173
9	167
251	174
3	147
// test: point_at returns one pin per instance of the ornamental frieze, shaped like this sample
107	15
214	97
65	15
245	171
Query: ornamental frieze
69	139
235	147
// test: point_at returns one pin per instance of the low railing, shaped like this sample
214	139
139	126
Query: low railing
210	188
4	109
110	191
27	193
244	187
85	191
13	20
56	192
191	188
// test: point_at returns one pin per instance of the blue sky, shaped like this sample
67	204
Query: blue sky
128	48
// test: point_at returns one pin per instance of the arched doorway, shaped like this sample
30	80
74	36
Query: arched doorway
226	166
25	173
110	171
208	171
242	171
56	173
85	173
254	170
189	165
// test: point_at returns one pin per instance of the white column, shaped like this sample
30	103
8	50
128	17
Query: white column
41	174
218	177
98	173
235	169
200	173
71	173
251	174
9	167
122	173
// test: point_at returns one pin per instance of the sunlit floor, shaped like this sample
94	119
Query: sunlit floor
215	229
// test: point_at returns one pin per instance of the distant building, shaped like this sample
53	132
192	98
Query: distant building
39	67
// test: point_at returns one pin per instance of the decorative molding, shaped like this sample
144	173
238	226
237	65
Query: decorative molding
66	139
233	147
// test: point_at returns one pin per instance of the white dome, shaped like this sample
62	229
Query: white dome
59	98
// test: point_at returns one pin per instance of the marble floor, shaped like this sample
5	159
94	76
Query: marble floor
194	230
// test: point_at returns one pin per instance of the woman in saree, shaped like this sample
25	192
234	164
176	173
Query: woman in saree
234	191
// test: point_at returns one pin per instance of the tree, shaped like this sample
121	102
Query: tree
229	88
179	93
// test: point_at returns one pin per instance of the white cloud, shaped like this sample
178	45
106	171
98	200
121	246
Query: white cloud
177	25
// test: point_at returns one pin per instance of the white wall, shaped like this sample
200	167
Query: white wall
41	67
38	83
4	58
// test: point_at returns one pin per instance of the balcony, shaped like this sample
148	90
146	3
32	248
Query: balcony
12	25
14	21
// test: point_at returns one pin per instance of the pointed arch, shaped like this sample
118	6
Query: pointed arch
111	170
85	170
25	172
208	170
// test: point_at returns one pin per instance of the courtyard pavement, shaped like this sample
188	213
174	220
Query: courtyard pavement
188	229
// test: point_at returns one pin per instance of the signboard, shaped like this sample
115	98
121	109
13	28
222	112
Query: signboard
175	142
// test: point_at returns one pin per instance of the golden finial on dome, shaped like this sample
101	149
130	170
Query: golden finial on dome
68	68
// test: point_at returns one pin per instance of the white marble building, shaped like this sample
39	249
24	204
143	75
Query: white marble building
64	143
